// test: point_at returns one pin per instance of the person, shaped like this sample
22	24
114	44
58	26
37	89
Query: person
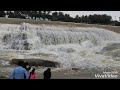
47	74
18	72
32	74
26	66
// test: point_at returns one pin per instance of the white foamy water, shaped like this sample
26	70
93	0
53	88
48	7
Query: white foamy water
71	46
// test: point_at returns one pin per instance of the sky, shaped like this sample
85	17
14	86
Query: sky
115	14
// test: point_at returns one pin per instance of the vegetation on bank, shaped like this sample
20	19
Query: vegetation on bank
60	16
70	24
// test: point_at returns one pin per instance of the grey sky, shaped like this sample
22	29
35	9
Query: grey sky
114	14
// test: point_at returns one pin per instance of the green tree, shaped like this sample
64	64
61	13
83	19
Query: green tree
61	16
54	16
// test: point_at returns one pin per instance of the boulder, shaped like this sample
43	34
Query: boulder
37	62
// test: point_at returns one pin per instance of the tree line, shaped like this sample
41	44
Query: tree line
60	16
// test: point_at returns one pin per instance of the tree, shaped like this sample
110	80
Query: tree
17	14
77	19
61	16
47	15
33	14
2	14
67	18
100	19
10	14
54	16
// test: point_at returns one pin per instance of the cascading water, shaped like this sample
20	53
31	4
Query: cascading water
71	46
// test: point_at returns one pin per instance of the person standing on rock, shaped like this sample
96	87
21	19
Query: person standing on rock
47	74
19	72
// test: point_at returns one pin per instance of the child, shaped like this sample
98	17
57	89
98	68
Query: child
32	74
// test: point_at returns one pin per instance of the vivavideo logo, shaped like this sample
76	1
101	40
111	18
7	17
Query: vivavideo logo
112	75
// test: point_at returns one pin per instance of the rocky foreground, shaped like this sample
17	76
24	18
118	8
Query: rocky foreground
74	73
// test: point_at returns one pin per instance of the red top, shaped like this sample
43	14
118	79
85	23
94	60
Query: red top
33	76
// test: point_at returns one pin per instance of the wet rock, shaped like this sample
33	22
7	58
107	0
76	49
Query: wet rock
69	50
75	69
6	38
116	53
26	45
37	62
116	59
24	36
111	47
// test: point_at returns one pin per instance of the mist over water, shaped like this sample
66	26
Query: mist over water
73	47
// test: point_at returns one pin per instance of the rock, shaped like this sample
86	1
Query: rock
69	50
116	53
111	47
37	62
75	69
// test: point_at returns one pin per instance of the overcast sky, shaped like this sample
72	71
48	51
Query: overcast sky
114	14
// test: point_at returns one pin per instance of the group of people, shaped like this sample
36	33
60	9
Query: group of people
24	71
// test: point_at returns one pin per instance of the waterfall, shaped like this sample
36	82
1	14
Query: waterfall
71	46
27	37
